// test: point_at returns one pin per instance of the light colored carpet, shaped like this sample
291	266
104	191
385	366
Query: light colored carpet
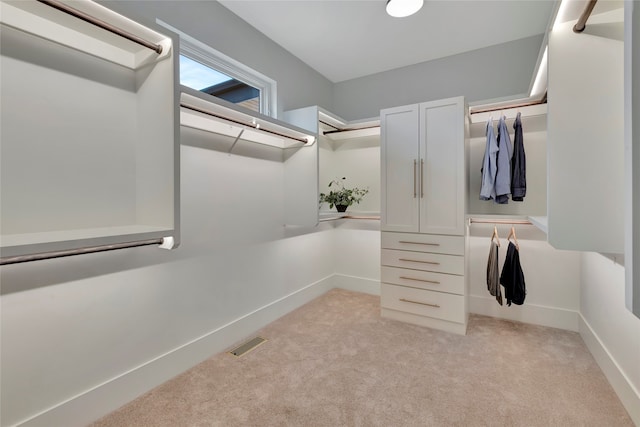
335	362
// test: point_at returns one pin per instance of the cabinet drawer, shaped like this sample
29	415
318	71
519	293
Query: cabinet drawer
453	245
439	305
423	279
452	264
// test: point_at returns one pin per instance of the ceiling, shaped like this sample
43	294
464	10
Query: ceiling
347	39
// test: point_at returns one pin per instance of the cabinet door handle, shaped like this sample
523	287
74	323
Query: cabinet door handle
418	302
421	280
421	177
422	262
419	243
415	167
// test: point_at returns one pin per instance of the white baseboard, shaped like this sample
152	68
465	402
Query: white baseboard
628	395
356	284
527	313
104	398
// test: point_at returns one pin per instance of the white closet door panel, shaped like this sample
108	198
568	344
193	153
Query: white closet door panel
399	153
442	177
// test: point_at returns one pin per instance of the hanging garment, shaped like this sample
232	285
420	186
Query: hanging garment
489	165
518	164
503	173
493	279
512	277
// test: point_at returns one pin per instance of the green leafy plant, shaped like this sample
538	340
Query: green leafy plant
342	197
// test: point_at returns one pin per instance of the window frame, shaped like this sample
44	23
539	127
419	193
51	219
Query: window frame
210	57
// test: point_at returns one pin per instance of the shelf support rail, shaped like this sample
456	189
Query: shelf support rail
102	24
79	251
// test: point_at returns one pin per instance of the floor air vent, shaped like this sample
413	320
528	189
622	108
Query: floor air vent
248	346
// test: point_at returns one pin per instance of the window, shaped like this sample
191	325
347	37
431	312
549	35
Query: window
200	77
207	70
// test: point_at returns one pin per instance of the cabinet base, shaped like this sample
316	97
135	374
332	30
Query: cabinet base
430	322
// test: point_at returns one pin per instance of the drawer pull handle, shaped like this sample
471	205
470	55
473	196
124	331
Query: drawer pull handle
420	280
418	302
422	262
419	243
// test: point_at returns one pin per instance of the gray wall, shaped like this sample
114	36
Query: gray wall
493	72
213	24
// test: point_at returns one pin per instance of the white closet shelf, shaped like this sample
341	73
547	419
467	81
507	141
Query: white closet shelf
534	119
334	216
28	243
337	129
541	222
49	23
202	111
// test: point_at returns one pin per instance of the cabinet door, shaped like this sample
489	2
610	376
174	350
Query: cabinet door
442	164
399	168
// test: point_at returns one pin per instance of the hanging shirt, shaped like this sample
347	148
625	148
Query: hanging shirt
489	165
512	277
518	164
493	280
503	174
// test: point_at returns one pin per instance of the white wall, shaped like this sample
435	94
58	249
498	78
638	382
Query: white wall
82	321
357	159
83	335
356	255
611	332
552	278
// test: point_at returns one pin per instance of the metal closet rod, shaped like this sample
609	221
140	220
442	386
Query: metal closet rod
500	221
374	218
261	129
582	21
347	129
102	24
79	251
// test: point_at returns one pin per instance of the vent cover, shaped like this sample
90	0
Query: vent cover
247	346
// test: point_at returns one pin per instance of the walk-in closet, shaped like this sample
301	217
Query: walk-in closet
319	213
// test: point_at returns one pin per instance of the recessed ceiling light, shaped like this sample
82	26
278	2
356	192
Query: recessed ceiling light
402	8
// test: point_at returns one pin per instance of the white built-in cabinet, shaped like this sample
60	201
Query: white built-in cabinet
585	128
89	146
632	155
423	193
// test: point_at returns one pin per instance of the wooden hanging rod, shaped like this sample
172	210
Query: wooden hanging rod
102	24
500	221
79	251
582	21
542	100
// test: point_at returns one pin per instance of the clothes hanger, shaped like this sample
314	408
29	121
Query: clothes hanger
512	233
495	235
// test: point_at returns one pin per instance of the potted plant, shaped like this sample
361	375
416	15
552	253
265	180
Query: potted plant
342	197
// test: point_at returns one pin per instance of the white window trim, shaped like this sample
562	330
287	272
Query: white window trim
205	54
